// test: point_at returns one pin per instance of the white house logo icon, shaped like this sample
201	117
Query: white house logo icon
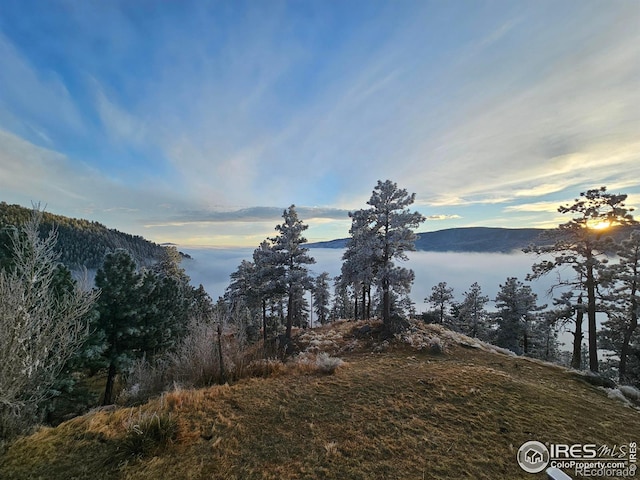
533	457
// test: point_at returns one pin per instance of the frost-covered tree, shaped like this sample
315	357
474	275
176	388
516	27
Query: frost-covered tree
441	297
42	324
543	341
472	315
623	304
268	280
300	307
292	257
343	306
392	227
570	310
516	304
582	243
243	288
322	297
358	269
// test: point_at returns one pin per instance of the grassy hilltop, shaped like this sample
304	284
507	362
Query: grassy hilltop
396	409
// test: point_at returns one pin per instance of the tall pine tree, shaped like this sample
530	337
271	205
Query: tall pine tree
292	257
582	243
392	225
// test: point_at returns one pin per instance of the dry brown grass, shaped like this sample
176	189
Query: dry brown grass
400	414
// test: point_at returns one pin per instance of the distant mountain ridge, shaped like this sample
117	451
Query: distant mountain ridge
481	239
466	239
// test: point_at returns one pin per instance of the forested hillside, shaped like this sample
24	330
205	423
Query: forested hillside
82	242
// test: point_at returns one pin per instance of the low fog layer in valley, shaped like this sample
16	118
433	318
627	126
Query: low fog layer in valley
212	267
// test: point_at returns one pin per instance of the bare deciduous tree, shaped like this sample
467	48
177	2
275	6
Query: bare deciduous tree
40	327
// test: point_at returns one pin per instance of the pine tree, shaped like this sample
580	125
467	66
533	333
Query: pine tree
623	303
292	258
516	305
358	269
582	243
391	227
543	341
343	307
472	314
268	280
119	314
322	297
441	297
243	288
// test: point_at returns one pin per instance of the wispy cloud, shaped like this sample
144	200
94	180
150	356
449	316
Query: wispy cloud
549	207
35	103
442	217
558	122
163	114
121	126
257	214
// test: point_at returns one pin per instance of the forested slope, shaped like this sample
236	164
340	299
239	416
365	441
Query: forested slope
82	242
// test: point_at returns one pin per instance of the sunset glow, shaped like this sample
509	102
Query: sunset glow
600	225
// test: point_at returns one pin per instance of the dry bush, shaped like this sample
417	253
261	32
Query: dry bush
331	448
196	362
146	433
308	362
327	364
266	367
40	328
144	380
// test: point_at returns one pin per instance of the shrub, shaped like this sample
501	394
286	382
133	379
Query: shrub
144	380
264	368
195	363
43	323
326	364
436	345
147	434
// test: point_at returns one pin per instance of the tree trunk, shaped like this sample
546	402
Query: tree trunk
591	316
386	300
289	315
220	356
355	307
628	333
108	390
386	304
368	302
364	300
576	357
264	322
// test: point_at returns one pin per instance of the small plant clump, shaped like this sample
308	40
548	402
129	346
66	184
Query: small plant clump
264	368
327	364
147	434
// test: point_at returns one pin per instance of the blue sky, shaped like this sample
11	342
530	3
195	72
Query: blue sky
198	122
